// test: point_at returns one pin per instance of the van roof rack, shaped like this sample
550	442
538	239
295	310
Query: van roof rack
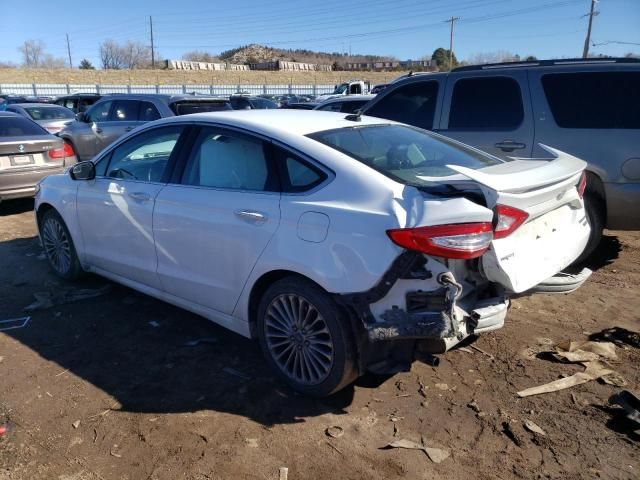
547	63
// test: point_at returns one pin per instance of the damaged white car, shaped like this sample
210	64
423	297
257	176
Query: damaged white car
343	244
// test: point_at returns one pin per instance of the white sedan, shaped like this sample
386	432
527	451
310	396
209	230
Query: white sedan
342	243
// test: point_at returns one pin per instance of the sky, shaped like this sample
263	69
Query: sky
406	29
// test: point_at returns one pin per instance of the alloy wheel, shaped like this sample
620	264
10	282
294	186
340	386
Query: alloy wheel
56	245
299	339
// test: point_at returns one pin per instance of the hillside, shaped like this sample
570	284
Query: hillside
258	53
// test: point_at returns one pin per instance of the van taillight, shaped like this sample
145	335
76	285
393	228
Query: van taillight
460	241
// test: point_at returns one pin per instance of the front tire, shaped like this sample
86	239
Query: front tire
306	338
58	246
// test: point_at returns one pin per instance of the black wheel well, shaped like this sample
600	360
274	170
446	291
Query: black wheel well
42	209
595	186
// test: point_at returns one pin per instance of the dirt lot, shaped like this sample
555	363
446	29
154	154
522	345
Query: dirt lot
105	388
172	77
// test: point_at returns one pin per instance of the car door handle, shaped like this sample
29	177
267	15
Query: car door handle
140	196
251	216
128	129
509	145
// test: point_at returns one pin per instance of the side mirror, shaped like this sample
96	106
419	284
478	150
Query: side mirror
83	171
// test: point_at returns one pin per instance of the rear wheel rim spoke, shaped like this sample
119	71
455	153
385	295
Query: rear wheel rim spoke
298	339
56	245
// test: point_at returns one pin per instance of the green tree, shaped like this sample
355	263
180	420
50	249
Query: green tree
531	58
441	58
86	65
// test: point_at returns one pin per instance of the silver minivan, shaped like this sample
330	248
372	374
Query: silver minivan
588	108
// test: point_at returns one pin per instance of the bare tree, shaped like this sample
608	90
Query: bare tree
111	56
32	52
136	55
200	56
49	61
492	57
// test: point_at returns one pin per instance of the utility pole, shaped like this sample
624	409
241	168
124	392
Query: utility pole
452	20
69	51
153	55
587	41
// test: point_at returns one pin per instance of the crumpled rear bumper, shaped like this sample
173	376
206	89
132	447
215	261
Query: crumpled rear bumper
562	282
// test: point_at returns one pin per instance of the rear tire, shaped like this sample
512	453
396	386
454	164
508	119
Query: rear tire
596	213
58	246
306	338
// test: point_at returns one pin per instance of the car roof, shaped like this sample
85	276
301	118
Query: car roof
347	98
34	104
168	98
281	122
4	113
564	62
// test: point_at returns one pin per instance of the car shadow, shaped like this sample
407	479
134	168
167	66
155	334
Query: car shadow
15	207
605	253
150	356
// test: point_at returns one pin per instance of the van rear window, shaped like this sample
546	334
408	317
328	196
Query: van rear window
594	99
187	107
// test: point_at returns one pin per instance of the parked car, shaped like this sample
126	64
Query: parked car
78	102
378	88
342	243
585	107
248	102
28	153
6	100
300	106
345	104
114	115
51	117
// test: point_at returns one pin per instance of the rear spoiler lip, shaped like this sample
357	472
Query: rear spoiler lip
561	167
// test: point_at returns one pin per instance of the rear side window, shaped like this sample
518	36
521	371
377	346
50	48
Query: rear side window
49	113
594	99
414	104
488	103
100	112
331	107
148	112
297	174
19	127
125	111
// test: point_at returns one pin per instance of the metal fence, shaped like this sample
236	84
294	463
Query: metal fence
40	89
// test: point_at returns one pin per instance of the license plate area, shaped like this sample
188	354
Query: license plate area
21	160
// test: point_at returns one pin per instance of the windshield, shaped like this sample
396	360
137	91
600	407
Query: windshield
20	127
187	107
341	88
49	113
405	154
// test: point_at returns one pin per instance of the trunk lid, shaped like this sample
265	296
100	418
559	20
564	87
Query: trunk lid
556	229
26	153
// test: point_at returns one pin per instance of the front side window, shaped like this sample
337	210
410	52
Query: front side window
223	159
125	111
405	154
486	103
145	156
100	112
594	99
414	104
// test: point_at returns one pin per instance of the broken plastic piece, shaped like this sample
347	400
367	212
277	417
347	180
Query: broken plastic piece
592	371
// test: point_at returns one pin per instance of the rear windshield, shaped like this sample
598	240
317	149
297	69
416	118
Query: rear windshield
20	127
187	107
49	113
403	153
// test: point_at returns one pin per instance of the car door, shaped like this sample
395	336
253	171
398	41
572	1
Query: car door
213	223
85	136
122	119
115	210
489	111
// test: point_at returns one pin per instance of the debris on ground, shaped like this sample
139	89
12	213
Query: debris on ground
154	324
233	371
46	300
508	428
198	341
251	442
14	323
478	349
587	351
442	386
335	431
474	406
436	455
629	402
3	429
593	371
618	335
284	473
76	424
532	427
113	453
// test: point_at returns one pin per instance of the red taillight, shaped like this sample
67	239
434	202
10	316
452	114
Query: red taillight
509	219
62	152
582	184
53	129
462	240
